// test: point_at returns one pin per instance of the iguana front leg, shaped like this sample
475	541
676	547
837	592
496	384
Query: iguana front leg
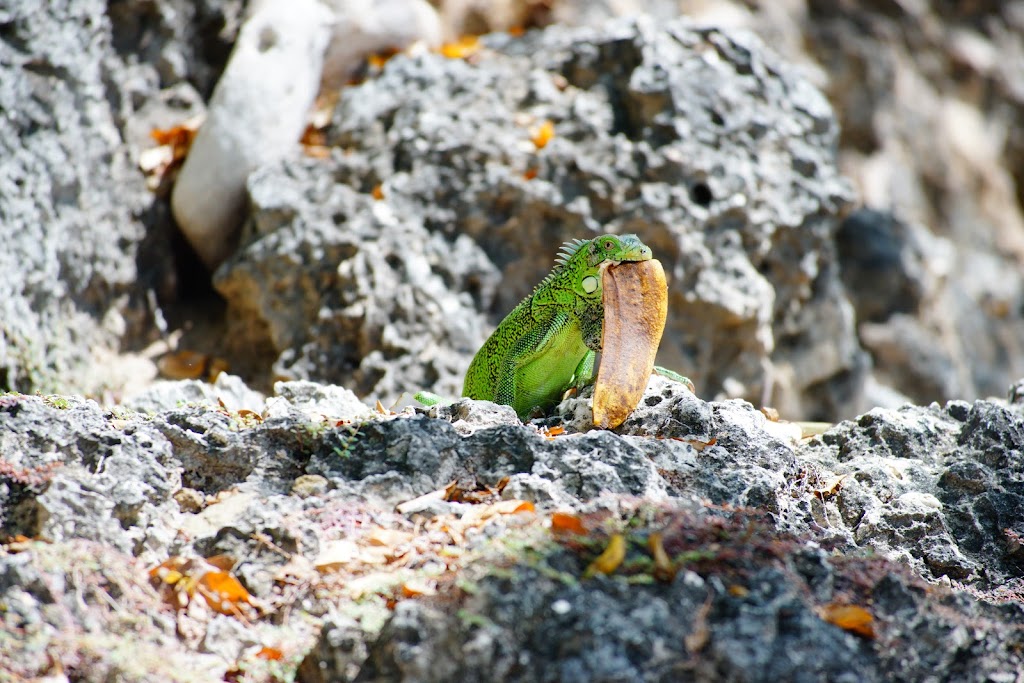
586	371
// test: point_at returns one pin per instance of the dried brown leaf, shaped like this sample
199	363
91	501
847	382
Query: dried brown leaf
608	561
852	618
663	568
697	639
420	502
562	522
223	592
635	308
542	134
464	47
831	486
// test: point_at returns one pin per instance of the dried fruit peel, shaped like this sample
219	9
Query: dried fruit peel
635	308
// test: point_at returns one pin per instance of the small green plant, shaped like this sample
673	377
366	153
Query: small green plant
344	450
58	402
473	620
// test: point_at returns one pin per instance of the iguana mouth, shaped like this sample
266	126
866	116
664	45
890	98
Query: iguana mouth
607	263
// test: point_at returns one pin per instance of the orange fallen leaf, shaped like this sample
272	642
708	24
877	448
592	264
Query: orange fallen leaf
551	432
270	653
608	561
379	59
160	164
542	134
247	414
852	618
179	137
222	591
187	577
466	46
378	193
452	491
315	151
530	174
562	522
313	137
510	507
17	543
187	364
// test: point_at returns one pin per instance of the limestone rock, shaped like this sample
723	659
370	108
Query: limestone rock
256	115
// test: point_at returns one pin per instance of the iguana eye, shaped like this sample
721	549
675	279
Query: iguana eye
609	245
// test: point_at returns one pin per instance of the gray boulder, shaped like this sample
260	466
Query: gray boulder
843	556
701	142
85	246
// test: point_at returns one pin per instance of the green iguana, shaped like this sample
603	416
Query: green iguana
548	343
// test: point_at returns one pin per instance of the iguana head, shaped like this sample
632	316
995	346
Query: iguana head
618	248
580	262
604	249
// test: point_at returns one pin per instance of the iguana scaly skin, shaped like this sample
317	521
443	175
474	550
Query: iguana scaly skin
548	343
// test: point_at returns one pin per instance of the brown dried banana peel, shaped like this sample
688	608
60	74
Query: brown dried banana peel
635	307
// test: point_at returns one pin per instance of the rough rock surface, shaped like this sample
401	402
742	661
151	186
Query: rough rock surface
84	245
929	133
927	98
88	248
909	520
734	186
67	195
219	535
